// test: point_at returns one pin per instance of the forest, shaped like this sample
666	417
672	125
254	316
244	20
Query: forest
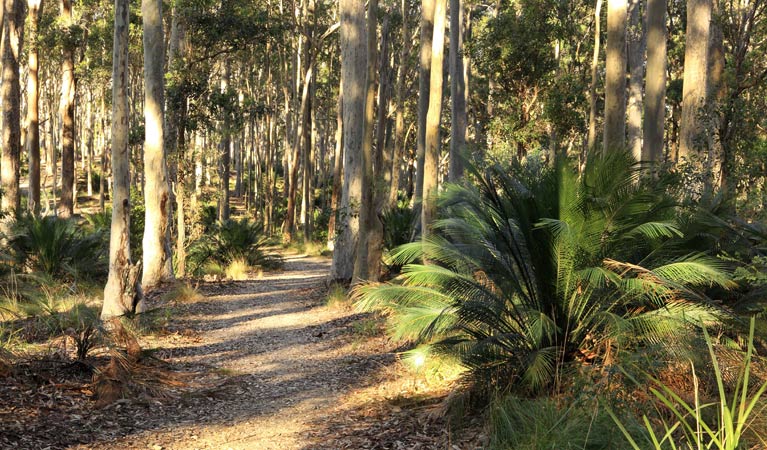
460	224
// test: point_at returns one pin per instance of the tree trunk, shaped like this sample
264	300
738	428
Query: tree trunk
637	43
457	92
67	111
122	293
33	109
592	136
655	82
158	259
399	116
13	37
225	155
615	76
353	63
431	161
424	77
695	85
337	172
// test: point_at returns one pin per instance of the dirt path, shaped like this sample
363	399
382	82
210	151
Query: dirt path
265	365
285	360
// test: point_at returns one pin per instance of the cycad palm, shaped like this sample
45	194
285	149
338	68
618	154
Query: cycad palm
531	270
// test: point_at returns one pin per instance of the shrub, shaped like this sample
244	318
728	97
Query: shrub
538	269
57	247
234	239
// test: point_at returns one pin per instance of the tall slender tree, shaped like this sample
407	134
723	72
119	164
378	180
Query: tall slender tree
13	37
591	140
637	40
122	293
695	85
655	82
457	91
353	63
424	79
67	111
156	244
431	161
33	108
615	76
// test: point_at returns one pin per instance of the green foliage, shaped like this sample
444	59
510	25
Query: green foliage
532	271
536	424
691	428
398	225
232	240
57	247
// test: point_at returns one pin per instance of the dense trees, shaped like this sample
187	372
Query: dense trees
246	111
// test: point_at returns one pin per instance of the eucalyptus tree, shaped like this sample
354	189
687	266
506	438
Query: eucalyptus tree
457	90
694	89
67	110
12	39
122	293
33	108
156	252
353	64
431	159
655	82
615	76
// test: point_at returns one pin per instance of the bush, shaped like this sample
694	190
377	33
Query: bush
232	240
535	270
58	247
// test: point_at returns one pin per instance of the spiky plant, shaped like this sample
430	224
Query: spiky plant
233	240
57	247
530	270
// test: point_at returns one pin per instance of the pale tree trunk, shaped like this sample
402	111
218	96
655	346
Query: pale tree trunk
33	109
337	171
695	85
431	161
592	135
13	37
122	293
636	47
224	154
615	76
158	260
67	110
655	82
399	116
308	124
103	162
457	91
89	142
424	77
353	63
290	217
361	268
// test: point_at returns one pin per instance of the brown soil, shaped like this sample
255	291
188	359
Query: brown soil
259	364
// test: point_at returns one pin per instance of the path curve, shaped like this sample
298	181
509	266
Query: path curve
283	359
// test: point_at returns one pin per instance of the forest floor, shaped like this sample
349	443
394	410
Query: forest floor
254	364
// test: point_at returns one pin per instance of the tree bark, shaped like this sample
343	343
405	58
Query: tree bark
637	43
337	171
225	155
592	135
431	161
367	213
13	37
33	109
655	82
399	115
457	92
615	76
353	63
122	293
695	85
67	111
424	77
158	259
